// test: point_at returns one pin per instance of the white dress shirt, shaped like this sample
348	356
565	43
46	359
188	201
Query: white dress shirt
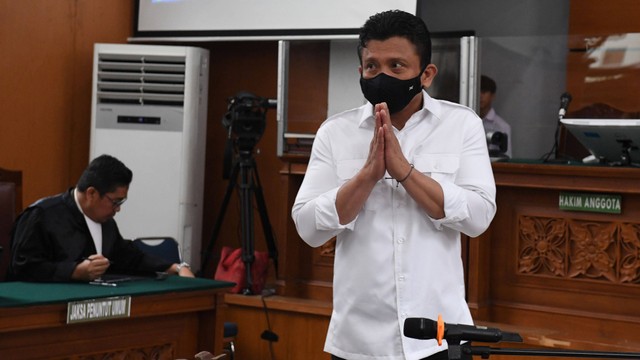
95	228
393	261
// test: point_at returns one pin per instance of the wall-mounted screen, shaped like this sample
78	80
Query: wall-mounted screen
252	18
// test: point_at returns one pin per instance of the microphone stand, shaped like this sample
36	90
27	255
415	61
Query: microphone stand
565	99
421	328
486	351
556	146
455	349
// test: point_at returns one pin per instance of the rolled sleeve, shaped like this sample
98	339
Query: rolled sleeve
469	195
327	214
317	220
455	205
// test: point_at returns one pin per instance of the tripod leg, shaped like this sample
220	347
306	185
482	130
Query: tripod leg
264	219
246	217
223	208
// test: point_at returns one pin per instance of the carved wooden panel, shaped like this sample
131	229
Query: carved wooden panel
155	352
322	262
542	246
325	253
579	249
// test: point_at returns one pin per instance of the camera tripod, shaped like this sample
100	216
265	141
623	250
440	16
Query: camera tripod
245	168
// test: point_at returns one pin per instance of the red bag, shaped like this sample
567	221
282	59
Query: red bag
231	268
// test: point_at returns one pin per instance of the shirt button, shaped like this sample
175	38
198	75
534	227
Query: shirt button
400	240
401	278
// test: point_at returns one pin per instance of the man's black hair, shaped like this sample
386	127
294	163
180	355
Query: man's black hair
105	173
487	84
391	23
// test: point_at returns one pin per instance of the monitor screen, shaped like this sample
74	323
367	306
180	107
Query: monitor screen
613	141
257	18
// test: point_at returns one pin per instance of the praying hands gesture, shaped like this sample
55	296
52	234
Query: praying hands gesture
385	155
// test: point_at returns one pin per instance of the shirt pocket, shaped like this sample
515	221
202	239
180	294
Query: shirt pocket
440	167
347	169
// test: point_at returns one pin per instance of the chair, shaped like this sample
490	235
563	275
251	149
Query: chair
10	207
168	248
7	215
163	247
229	337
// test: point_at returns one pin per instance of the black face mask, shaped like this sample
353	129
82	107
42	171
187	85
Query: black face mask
395	92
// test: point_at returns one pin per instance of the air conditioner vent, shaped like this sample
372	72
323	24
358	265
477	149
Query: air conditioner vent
149	110
141	79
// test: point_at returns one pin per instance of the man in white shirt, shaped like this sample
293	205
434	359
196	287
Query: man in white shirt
491	121
396	181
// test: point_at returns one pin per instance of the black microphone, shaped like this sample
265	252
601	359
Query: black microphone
565	99
424	329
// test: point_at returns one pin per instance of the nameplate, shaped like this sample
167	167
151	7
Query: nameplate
600	203
98	309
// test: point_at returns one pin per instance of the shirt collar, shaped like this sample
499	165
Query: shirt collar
74	192
88	219
491	115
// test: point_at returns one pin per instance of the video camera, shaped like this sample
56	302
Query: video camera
498	143
245	118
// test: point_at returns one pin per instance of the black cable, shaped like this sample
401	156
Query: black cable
268	334
556	141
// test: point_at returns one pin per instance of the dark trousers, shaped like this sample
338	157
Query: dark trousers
442	355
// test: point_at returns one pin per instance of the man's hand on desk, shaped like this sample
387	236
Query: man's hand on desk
181	269
91	268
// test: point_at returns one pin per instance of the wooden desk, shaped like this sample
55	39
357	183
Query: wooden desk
170	319
574	276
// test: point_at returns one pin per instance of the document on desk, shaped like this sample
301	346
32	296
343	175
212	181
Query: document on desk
115	279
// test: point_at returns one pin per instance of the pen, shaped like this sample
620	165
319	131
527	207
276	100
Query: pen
102	283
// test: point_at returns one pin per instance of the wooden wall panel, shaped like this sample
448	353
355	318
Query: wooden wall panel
37	46
46	85
89	29
591	22
604	17
308	85
301	326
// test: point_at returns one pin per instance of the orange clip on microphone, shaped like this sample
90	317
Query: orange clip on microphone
440	333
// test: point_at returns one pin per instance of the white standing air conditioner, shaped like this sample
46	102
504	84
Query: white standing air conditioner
149	109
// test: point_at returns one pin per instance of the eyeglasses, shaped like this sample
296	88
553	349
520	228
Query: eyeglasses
116	203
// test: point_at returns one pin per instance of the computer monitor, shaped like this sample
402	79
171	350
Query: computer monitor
612	141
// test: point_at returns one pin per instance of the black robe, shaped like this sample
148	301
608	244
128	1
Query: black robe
51	237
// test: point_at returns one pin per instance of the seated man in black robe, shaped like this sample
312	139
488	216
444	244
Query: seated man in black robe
73	237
